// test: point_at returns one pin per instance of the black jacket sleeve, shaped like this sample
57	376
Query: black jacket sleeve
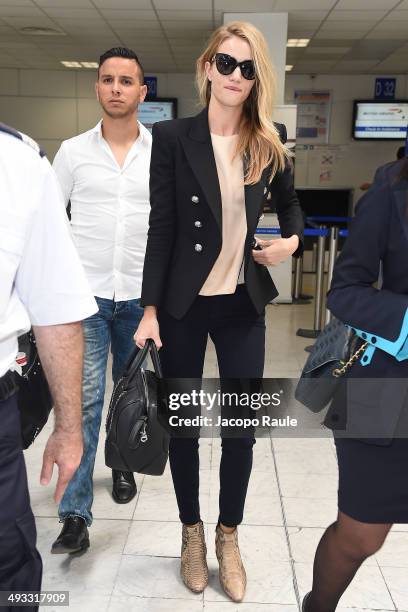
290	215
162	218
352	298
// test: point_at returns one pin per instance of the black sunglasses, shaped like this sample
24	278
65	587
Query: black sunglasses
226	64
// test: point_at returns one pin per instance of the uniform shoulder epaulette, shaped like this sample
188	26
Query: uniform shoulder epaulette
23	137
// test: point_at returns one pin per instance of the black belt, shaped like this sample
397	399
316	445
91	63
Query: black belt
8	385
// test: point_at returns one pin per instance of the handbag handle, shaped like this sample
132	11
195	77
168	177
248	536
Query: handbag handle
139	355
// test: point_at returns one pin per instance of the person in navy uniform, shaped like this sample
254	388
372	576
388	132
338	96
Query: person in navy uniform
43	285
369	413
208	178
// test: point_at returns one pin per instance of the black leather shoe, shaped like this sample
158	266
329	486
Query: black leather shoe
124	486
305	607
73	538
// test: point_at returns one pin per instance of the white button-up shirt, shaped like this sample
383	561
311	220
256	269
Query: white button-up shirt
109	209
42	281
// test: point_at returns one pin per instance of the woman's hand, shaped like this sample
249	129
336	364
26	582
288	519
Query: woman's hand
276	251
148	328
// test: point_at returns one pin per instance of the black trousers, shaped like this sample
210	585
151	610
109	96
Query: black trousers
238	333
20	562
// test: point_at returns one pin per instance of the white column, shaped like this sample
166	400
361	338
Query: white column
274	26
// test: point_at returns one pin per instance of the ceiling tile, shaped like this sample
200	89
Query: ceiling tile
242	6
332	50
294	32
185	15
65	3
20	11
23	22
392	26
307	25
370	49
356	15
122	15
343	36
348	26
397	16
355	65
16	2
123	4
134	32
134	23
366	5
181	5
192	25
392	67
307	15
290	5
386	35
313	65
181	34
71	13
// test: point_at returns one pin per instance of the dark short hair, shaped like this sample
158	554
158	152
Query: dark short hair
121	52
401	153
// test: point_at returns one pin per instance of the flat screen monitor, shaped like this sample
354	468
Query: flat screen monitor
380	119
158	109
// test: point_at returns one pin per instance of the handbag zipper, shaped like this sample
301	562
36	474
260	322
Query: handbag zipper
143	436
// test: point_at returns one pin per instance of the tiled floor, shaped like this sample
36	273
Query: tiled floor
133	560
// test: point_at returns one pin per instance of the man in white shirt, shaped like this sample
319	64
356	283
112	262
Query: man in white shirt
104	173
42	283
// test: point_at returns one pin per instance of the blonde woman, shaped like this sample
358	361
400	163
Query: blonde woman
202	276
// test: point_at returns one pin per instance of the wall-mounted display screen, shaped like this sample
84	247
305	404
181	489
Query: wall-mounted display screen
159	109
380	120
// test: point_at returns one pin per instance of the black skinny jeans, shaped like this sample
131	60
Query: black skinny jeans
238	333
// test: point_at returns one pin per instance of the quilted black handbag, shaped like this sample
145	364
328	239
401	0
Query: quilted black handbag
333	354
34	398
136	441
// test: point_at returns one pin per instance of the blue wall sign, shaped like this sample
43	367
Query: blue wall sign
385	89
151	82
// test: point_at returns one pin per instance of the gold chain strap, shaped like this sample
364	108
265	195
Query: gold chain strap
341	371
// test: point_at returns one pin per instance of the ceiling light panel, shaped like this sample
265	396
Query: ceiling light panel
69	64
298	42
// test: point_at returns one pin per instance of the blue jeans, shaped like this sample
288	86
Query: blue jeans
113	325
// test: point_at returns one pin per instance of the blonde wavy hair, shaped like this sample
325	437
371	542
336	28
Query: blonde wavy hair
258	140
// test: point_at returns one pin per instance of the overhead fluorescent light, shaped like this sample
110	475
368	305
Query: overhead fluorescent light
298	42
71	64
80	64
288	67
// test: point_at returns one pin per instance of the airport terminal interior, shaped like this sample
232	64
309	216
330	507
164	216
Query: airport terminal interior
338	62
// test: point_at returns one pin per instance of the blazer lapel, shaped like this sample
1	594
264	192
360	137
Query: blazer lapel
197	146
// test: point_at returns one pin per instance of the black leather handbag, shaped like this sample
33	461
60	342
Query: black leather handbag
136	441
34	398
335	351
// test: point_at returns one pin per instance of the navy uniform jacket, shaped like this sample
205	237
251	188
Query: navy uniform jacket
378	233
185	225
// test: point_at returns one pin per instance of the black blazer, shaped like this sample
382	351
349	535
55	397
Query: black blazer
185	235
378	233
